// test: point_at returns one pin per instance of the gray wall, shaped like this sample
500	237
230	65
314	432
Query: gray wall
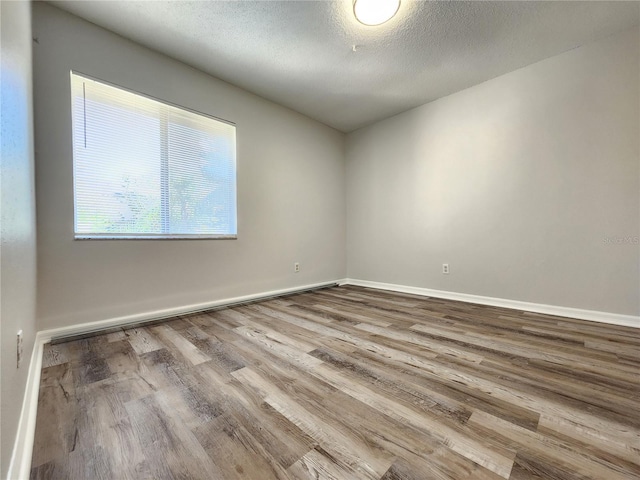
290	189
18	257
527	185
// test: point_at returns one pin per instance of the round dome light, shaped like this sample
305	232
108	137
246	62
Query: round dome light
375	12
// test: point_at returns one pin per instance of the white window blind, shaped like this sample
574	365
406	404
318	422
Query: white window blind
146	169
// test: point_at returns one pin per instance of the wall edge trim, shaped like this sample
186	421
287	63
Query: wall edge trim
569	312
20	464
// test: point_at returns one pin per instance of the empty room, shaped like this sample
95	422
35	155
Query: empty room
346	239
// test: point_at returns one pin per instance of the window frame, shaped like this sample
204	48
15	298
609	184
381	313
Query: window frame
164	168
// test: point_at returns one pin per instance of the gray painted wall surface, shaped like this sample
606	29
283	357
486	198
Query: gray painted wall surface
290	189
18	229
526	185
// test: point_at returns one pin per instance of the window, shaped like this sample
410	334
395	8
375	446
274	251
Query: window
146	169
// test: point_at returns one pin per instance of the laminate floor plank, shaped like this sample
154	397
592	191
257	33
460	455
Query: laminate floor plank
116	336
532	398
557	452
345	383
376	428
292	331
321	466
141	340
552	331
454	400
237	454
54	355
373	303
349	452
56	401
586	363
186	349
282	439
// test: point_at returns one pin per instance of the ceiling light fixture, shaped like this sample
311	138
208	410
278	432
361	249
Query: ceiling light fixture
375	12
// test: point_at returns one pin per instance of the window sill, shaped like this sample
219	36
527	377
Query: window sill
154	237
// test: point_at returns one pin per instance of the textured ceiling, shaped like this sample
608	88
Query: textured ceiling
300	53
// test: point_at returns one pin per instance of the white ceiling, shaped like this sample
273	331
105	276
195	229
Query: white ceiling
300	53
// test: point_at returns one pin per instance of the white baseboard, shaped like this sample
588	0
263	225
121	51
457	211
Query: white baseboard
90	327
592	315
20	466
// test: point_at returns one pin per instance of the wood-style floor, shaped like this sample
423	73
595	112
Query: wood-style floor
344	383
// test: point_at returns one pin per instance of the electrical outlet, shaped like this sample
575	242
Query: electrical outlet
19	349
296	267
445	268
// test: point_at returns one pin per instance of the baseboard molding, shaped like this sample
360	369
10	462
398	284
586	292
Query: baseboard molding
155	315
20	465
591	315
